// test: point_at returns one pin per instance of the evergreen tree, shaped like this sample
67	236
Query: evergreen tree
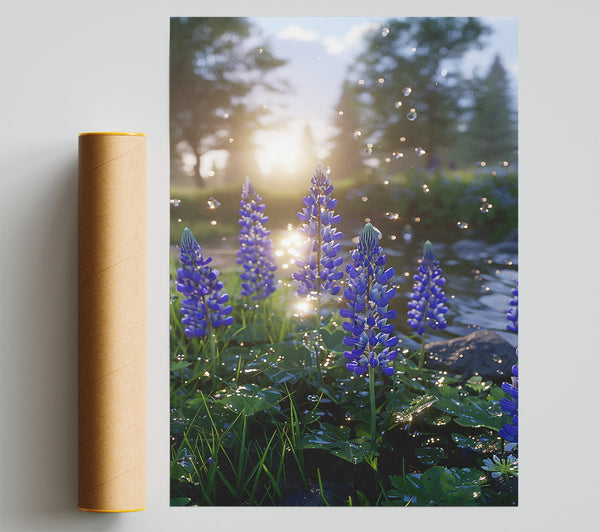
408	91
215	64
492	135
346	158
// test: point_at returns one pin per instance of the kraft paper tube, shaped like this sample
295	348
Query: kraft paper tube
112	322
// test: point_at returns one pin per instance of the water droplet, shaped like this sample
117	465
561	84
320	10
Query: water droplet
397	155
369	148
361	81
381	81
341	113
406	91
420	151
313	398
425	188
402	139
412	115
213	203
231	140
398	104
386	181
357	133
385	32
364	199
213	222
392	215
462	225
226	115
179	220
444	72
261	50
175	202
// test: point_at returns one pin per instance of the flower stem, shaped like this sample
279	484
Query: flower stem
318	316
318	336
422	353
372	401
213	355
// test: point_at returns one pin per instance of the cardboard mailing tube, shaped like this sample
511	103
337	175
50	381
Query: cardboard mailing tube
112	322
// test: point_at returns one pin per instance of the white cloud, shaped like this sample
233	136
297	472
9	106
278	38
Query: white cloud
336	46
333	45
296	32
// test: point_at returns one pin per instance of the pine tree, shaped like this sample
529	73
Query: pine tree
405	88
491	135
346	158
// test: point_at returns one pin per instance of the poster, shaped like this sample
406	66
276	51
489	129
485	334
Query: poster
344	260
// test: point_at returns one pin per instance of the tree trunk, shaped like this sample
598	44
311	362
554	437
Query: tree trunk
198	179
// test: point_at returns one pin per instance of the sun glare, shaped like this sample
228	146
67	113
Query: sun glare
278	149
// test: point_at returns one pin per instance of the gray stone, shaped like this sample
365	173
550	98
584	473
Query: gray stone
482	353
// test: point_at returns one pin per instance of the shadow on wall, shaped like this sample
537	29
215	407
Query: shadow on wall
39	363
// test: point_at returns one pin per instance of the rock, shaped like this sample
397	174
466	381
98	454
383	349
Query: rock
471	250
482	353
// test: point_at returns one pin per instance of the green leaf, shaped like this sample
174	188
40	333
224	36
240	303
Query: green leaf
354	451
249	399
483	443
334	341
180	501
252	333
404	413
477	384
429	455
439	486
473	412
180	364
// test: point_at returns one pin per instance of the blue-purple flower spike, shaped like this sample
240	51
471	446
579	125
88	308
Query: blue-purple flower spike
255	253
427	306
512	314
367	311
204	306
319	271
510	406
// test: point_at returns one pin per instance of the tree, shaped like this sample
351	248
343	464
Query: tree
407	82
491	133
241	146
215	64
346	156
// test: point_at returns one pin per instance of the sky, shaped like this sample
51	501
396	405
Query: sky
319	52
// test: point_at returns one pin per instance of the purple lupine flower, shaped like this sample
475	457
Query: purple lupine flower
427	306
367	311
204	307
255	254
512	314
510	431
319	271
